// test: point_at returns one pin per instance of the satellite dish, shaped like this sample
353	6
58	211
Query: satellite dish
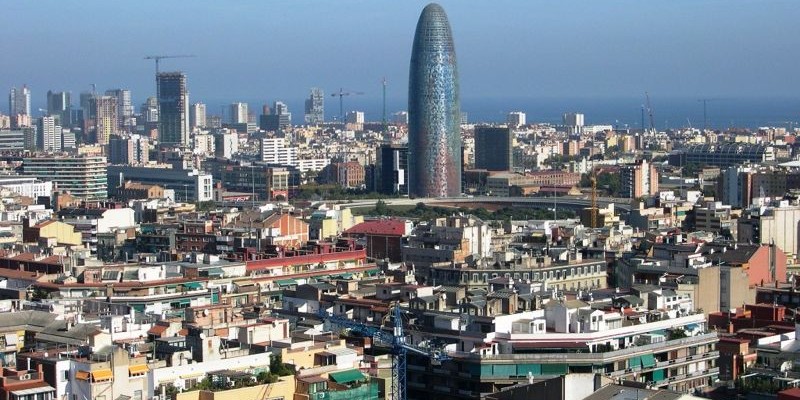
205	312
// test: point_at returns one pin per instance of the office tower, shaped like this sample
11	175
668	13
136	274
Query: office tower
573	121
434	133
278	119
84	176
48	134
516	119
355	117
173	120
120	150
19	101
12	140
197	116
124	108
315	107
238	113
494	148
105	117
392	169
59	105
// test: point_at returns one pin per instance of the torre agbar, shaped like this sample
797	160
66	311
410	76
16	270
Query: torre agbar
434	111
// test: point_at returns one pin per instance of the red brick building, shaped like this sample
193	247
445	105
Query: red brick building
383	237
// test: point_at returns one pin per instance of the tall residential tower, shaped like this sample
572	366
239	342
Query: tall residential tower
434	133
315	107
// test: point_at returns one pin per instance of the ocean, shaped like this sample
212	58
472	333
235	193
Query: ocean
668	113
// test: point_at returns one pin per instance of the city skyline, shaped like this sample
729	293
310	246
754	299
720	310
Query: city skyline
576	49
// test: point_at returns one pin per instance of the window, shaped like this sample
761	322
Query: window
64	376
137	395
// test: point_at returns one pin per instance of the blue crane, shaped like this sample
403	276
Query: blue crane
397	343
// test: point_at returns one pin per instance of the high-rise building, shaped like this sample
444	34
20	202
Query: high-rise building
516	119
131	150
84	176
355	117
278	119
434	133
238	113
275	151
105	117
315	107
173	121
392	169
124	108
49	134
494	148
226	144
150	110
59	105
573	121
638	179
19	101
197	116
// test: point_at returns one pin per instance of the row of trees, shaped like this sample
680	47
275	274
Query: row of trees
425	212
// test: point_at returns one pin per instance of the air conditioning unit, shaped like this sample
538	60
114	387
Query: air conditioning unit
25	377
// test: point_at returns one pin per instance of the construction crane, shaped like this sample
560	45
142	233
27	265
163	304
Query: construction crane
159	58
341	95
593	210
650	113
397	342
705	112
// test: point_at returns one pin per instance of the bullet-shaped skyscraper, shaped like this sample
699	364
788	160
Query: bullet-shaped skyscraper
434	111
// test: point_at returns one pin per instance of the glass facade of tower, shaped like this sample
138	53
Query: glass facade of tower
172	109
434	112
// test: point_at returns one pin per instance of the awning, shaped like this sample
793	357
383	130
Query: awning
102	375
30	391
286	282
352	375
138	369
193	285
82	375
691	327
11	339
648	361
371	272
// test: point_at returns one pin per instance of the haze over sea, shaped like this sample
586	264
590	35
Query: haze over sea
670	112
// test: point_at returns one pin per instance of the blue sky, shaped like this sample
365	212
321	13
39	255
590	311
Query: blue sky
269	50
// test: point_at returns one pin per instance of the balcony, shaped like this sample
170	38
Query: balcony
669	363
598	358
691	375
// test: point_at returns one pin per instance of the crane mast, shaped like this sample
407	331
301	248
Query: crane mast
341	95
396	341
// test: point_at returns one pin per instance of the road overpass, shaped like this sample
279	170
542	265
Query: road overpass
565	202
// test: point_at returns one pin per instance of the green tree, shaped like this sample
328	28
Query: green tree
277	367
